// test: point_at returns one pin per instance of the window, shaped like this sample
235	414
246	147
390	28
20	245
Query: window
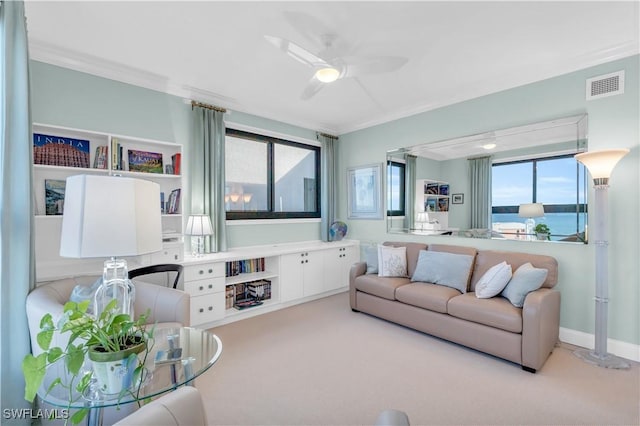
270	178
556	182
396	185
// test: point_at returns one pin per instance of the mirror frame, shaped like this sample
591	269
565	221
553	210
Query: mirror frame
513	144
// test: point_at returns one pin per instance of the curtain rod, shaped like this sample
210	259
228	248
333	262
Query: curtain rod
207	106
326	135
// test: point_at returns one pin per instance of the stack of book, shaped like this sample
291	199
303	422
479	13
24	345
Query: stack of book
237	267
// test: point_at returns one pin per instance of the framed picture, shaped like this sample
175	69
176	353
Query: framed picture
457	199
364	193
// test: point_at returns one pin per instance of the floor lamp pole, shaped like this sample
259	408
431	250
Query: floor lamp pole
599	355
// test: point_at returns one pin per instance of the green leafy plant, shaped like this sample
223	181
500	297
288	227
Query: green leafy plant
542	228
110	332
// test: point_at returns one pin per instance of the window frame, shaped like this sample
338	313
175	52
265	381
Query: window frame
548	208
403	188
270	141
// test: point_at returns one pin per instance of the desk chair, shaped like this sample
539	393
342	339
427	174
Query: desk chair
183	406
153	269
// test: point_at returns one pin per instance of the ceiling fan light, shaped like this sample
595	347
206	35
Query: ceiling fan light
327	75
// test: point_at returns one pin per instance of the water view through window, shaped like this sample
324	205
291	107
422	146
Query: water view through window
558	183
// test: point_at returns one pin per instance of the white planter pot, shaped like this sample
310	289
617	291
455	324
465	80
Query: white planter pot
114	371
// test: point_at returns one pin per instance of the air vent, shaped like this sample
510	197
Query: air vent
605	85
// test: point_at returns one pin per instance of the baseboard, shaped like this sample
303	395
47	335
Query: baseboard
586	340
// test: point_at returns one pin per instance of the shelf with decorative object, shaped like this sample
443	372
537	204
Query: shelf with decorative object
61	152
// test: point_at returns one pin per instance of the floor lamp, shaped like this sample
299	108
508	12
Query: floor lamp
600	164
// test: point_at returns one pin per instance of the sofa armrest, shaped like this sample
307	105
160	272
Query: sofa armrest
166	304
357	269
540	326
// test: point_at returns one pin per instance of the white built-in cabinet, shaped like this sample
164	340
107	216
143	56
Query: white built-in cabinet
51	177
295	273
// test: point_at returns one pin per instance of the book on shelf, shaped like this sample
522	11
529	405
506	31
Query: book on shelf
115	154
145	161
176	159
430	205
173	203
237	267
443	189
100	159
60	151
443	205
431	188
54	196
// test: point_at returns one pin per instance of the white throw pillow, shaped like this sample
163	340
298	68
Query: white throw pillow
392	261
493	281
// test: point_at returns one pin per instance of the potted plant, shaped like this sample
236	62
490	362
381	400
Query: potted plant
113	341
542	231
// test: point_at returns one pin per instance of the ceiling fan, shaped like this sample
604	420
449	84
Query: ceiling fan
329	65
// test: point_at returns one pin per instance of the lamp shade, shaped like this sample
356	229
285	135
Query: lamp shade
422	217
601	163
199	224
531	210
110	216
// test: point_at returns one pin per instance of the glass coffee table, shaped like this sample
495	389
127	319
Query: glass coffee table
177	358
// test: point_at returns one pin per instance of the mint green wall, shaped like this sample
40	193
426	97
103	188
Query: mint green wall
613	123
69	98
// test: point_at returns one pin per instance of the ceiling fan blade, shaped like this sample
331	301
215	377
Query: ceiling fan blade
298	53
356	66
312	88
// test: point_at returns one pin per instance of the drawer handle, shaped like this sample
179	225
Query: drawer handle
210	285
211	271
201	288
201	272
201	310
211	308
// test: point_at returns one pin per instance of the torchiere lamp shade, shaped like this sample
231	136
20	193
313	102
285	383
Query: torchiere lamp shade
110	216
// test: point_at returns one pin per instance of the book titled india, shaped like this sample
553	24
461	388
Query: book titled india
60	151
144	161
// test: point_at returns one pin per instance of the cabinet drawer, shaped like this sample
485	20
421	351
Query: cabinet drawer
207	308
211	285
205	270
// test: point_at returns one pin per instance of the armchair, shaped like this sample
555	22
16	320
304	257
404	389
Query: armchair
169	307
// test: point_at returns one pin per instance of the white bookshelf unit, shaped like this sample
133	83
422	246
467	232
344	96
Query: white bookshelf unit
434	197
294	273
49	178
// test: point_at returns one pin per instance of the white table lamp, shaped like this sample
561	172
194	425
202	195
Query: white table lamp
111	216
600	165
198	225
530	211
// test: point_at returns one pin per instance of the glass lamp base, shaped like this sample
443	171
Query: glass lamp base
115	285
607	360
197	246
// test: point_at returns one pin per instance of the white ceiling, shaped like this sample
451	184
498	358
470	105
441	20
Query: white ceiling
215	52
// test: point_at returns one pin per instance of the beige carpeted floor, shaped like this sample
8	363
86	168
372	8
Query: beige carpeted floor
321	364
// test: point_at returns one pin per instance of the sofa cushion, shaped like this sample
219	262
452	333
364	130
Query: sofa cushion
428	296
380	286
413	250
495	312
470	251
487	258
392	261
443	268
494	281
525	280
371	258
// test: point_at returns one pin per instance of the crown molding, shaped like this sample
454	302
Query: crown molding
44	52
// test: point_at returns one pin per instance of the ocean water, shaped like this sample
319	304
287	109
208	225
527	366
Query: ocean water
559	223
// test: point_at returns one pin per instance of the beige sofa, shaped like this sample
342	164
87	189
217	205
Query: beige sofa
525	336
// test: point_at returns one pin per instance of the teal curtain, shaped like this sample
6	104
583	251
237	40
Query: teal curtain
17	271
207	173
480	192
329	182
410	191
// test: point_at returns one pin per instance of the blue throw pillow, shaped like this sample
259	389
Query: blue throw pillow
525	280
447	269
371	257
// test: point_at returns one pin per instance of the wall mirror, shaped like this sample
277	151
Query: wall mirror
519	183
